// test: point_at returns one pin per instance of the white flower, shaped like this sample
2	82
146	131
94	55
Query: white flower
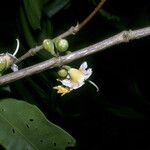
77	77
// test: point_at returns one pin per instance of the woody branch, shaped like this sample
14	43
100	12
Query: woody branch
124	36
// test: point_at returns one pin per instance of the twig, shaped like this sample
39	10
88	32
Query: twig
30	53
72	31
88	18
124	36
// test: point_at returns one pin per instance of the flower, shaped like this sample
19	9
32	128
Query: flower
62	90
7	60
77	77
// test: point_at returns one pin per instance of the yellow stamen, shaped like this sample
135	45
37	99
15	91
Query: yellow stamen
62	90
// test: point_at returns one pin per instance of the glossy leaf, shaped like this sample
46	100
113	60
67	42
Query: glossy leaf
33	9
24	126
26	30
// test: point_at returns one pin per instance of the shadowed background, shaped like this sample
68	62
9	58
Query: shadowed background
118	114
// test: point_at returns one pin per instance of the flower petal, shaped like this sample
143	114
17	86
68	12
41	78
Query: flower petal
88	73
66	82
83	66
14	67
77	85
81	78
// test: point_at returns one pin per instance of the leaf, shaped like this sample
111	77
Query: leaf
24	127
46	30
26	30
33	10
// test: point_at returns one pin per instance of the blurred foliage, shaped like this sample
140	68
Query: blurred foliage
119	113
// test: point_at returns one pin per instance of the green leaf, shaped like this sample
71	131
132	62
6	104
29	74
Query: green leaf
46	30
26	29
24	127
33	10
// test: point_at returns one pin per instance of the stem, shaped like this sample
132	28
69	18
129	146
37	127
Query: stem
17	48
73	30
91	82
30	53
88	18
124	36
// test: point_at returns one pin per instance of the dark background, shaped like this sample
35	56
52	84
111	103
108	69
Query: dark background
118	115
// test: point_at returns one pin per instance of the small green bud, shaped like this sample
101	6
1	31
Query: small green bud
66	67
49	46
6	60
62	73
3	63
61	44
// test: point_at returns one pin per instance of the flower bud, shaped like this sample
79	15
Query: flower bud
49	46
66	67
62	73
61	44
6	60
3	63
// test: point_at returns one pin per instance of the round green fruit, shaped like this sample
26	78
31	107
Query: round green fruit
62	73
61	44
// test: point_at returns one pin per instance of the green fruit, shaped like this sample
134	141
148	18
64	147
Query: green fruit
62	73
49	46
61	44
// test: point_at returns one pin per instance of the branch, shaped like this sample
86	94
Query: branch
72	31
92	14
124	36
